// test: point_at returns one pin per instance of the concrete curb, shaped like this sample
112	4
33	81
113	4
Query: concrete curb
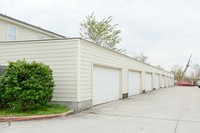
34	117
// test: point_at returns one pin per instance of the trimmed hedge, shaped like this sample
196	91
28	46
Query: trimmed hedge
25	85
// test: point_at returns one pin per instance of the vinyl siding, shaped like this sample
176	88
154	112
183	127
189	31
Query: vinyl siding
3	30
23	32
72	62
91	54
60	55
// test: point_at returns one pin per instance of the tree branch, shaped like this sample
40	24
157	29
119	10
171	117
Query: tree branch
187	66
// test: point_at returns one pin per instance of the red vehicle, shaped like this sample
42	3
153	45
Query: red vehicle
185	84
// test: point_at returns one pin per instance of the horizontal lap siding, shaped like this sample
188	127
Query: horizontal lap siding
23	33
3	31
61	56
94	54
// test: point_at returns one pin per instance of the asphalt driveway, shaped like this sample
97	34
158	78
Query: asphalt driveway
169	110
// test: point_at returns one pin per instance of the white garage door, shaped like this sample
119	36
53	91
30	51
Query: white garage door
134	81
168	84
106	84
166	79
157	81
162	81
148	82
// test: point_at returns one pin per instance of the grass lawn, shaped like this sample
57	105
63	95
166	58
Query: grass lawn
39	110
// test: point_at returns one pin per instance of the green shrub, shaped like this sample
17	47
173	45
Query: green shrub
25	85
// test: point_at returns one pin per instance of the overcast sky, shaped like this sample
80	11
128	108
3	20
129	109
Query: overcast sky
167	31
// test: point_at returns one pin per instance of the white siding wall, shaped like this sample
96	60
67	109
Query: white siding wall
92	54
72	62
61	56
3	30
23	32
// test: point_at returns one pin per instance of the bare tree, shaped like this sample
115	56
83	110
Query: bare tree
141	57
187	66
195	74
196	69
177	71
160	67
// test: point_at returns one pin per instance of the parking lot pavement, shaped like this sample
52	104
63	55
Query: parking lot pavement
168	110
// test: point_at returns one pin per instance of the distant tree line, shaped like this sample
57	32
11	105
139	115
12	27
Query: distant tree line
181	74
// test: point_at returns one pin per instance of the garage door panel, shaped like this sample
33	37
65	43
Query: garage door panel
162	81
134	83
106	83
157	81
148	81
166	79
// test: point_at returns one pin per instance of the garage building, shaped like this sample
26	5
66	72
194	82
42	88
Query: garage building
87	74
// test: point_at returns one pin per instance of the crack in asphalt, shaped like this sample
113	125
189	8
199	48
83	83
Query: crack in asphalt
119	115
4	125
176	126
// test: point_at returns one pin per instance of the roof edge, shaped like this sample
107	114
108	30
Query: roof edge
125	55
81	39
33	26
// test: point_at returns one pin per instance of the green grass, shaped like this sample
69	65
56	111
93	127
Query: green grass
39	110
